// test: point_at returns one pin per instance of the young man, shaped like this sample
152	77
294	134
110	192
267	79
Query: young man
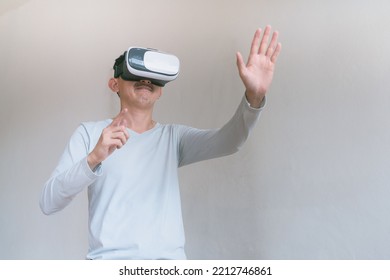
130	163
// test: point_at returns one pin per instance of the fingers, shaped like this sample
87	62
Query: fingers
118	136
113	137
255	42
260	44
264	40
272	45
120	118
276	52
116	132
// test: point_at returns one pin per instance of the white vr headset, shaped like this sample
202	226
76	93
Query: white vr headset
147	64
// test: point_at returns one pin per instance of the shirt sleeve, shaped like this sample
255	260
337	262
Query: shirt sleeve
197	145
71	175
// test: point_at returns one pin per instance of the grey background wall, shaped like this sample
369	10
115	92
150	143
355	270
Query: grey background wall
312	182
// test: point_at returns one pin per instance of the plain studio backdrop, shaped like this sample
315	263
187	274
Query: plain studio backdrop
313	180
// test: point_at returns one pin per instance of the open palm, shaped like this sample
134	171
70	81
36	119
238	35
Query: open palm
258	72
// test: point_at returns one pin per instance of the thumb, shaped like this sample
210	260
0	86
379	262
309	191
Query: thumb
120	118
123	122
240	63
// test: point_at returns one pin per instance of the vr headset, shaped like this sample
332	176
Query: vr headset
147	64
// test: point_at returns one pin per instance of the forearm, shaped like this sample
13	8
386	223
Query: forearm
235	133
61	188
198	145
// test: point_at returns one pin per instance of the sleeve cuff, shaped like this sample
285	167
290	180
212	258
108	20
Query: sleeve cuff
92	174
262	104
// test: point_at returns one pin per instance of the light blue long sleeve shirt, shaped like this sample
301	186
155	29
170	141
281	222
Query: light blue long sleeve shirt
134	199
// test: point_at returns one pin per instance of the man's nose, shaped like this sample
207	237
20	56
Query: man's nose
146	82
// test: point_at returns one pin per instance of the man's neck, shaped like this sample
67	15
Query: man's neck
139	120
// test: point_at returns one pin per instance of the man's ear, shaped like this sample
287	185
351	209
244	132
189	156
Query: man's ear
160	93
113	85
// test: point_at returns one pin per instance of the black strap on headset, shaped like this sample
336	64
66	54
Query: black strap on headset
118	65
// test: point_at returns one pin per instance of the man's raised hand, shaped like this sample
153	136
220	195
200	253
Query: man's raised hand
258	72
113	137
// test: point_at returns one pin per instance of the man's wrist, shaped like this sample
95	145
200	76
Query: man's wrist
255	101
92	162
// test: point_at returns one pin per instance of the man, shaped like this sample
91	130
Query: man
129	164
